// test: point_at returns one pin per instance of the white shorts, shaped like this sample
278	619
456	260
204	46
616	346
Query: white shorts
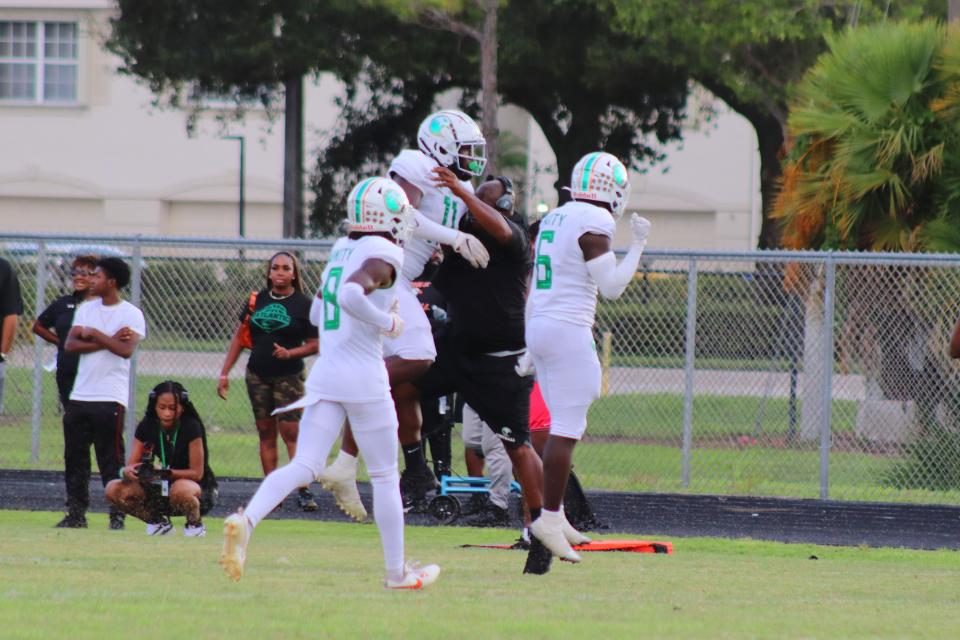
416	341
568	371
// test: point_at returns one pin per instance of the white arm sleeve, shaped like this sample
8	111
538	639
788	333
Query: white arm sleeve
612	278
354	301
427	229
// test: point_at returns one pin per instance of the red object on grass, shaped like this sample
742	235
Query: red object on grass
630	546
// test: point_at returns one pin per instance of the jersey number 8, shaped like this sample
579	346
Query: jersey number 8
331	310
544	272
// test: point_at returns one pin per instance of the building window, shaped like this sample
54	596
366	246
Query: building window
38	62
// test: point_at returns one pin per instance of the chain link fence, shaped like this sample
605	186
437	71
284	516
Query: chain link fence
813	375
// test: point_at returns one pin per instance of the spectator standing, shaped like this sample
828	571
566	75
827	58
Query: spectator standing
105	333
172	432
281	336
54	322
11	307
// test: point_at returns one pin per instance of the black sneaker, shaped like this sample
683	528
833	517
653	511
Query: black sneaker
538	558
116	522
416	486
72	522
305	500
477	503
490	516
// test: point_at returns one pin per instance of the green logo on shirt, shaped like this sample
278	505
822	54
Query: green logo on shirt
271	318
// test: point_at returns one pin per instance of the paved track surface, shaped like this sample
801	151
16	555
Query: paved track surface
648	515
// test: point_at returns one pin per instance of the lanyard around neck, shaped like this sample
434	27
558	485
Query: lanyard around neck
163	448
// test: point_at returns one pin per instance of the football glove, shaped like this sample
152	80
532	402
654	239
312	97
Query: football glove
524	366
472	250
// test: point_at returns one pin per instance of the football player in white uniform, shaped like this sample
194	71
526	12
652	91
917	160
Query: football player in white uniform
573	261
354	309
448	139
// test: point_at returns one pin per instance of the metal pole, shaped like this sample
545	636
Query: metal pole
38	355
243	173
130	422
688	362
794	311
826	378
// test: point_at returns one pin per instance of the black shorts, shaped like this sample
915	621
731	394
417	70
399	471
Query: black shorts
487	383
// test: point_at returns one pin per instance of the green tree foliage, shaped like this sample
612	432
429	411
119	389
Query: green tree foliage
242	49
876	158
587	85
749	53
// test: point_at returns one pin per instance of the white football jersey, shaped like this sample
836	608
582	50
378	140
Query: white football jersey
562	287
438	205
350	366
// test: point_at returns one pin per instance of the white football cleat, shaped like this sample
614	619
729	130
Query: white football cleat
236	535
341	481
548	529
570	532
415	577
197	530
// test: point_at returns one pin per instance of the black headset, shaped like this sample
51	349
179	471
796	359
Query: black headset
170	386
504	202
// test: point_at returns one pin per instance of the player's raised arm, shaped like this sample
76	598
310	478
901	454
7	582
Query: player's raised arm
612	278
489	219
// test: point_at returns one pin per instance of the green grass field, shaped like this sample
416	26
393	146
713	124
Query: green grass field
323	580
633	444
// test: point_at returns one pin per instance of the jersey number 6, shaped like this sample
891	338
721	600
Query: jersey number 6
544	272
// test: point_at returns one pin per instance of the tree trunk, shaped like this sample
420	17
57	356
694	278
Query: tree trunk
770	140
953	10
488	84
293	158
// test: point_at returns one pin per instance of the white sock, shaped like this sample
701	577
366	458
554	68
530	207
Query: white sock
274	488
388	514
525	534
550	516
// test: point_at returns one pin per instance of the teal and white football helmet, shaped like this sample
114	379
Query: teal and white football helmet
455	141
600	177
379	205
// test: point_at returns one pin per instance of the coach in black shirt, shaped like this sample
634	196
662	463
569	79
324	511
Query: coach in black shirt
485	337
486	306
54	323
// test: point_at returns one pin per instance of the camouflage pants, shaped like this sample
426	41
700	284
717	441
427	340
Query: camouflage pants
267	394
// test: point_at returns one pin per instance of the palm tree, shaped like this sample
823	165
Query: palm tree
875	165
875	159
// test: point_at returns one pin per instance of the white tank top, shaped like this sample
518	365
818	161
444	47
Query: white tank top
350	367
562	288
438	205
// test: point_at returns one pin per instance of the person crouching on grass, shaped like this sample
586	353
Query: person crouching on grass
172	432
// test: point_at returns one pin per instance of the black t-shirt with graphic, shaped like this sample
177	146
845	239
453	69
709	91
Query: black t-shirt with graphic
285	322
176	442
58	317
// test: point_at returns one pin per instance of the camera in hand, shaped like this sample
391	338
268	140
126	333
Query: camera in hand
146	472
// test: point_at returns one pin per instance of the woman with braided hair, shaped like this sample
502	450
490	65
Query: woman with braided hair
172	432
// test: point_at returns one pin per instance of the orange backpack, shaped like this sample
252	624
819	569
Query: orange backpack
246	340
